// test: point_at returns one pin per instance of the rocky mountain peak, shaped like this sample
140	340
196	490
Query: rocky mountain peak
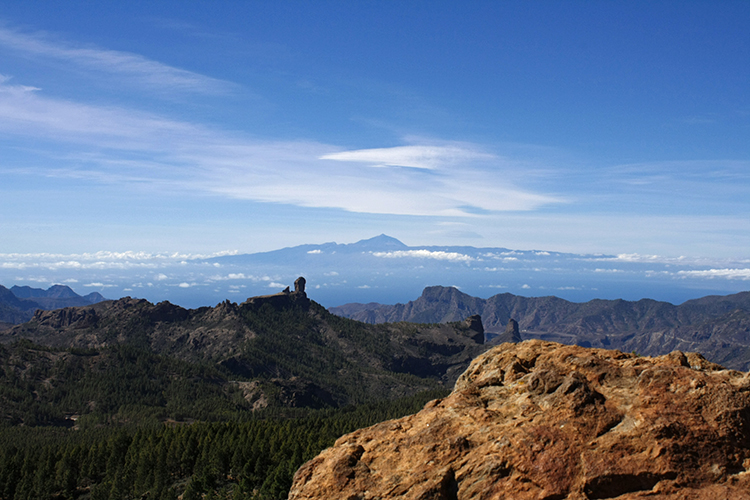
442	293
55	292
542	420
286	298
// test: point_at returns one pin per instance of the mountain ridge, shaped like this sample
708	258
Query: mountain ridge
282	349
716	326
18	303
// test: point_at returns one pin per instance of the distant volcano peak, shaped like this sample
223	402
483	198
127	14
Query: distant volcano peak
381	242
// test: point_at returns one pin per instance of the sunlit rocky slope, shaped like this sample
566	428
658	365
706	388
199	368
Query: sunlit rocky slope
539	420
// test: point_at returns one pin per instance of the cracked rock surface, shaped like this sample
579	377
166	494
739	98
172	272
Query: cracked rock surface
539	420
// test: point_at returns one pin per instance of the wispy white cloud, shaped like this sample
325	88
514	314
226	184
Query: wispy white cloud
119	145
133	67
241	276
100	261
656	172
501	255
104	257
24	111
738	274
634	257
14	265
236	276
425	254
713	186
416	156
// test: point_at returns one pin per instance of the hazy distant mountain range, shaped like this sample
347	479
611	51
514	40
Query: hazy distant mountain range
716	326
380	269
383	269
18	303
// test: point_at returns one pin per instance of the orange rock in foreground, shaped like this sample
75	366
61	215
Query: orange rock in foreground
538	420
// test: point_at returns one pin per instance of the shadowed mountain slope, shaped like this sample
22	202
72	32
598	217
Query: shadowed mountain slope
14	310
716	326
282	350
18	303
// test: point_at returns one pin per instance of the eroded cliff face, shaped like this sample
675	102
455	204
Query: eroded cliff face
539	420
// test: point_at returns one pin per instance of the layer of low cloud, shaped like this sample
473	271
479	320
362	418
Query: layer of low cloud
425	254
734	274
99	285
242	277
101	261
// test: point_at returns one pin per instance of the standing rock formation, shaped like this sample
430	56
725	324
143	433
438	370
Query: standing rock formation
299	285
283	299
539	420
475	328
511	333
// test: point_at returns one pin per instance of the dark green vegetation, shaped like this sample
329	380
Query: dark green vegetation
277	351
125	398
120	384
716	326
254	459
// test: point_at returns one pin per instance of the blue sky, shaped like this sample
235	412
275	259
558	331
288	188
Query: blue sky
204	127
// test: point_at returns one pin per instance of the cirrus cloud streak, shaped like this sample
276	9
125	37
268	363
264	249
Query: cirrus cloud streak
143	148
133	67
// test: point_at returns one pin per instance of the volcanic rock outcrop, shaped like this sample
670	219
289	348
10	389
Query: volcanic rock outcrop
540	420
283	299
475	328
511	333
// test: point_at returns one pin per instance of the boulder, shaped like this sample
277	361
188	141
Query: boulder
539	420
